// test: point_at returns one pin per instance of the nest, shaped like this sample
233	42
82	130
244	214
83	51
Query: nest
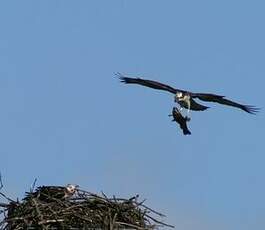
83	210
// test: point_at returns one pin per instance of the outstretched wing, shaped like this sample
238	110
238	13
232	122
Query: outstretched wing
193	105
222	100
148	83
196	106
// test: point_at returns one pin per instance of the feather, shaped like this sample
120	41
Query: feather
222	100
196	106
147	83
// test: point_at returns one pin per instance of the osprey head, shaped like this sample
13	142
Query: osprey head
178	96
71	189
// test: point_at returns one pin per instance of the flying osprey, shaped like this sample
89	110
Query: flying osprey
182	121
51	193
186	98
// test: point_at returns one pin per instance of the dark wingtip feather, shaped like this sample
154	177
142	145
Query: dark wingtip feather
119	75
122	77
251	109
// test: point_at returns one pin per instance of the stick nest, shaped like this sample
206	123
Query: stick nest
84	210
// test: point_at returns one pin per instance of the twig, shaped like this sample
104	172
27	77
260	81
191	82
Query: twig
33	185
130	225
49	221
37	209
9	199
152	210
159	222
1	182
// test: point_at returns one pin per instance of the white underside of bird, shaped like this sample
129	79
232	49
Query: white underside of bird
184	101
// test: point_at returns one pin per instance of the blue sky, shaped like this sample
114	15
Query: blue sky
65	118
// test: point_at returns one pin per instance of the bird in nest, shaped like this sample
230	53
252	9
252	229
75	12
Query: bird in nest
52	193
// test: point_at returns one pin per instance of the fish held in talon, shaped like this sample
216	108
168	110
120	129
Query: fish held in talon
182	121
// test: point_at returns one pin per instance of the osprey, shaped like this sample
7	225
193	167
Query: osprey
51	193
182	121
186	98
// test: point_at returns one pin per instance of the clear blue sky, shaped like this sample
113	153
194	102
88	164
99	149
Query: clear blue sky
65	118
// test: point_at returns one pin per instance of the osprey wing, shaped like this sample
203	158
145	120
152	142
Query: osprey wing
148	83
196	106
222	100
